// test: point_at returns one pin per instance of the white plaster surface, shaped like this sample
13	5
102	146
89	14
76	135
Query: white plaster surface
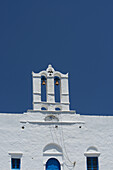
95	132
36	136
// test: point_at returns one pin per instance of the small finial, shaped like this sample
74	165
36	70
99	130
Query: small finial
50	69
49	65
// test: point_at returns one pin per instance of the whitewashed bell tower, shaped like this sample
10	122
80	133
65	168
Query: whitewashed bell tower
50	90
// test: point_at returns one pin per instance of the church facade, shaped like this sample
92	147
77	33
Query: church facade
53	137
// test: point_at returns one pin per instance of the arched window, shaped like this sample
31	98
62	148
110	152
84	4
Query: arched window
92	155
57	89
53	163
43	88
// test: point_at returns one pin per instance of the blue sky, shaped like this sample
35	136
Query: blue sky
75	36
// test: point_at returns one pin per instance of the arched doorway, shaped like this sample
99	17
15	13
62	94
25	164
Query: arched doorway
53	164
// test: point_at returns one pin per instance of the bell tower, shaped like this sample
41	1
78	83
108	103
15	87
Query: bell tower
50	90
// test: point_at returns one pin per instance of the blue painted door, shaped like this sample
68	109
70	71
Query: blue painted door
52	164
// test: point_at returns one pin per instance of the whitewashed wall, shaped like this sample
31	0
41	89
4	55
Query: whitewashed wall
37	135
95	131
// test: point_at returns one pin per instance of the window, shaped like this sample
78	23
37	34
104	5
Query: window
15	164
92	155
92	163
15	160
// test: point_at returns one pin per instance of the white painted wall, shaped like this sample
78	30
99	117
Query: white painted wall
95	131
63	134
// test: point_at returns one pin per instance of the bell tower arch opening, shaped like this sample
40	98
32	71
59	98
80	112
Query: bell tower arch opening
57	88
43	88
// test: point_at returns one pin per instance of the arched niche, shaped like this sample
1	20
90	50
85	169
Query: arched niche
51	118
51	151
52	148
92	151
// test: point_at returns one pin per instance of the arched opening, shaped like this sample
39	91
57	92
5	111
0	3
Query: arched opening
57	88
57	108
43	88
53	164
43	108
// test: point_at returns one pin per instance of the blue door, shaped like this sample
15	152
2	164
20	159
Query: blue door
52	164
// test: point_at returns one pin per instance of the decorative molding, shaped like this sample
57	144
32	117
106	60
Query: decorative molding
15	154
54	103
91	154
52	111
50	122
37	93
52	153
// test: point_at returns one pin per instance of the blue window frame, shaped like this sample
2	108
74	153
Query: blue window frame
15	164
92	163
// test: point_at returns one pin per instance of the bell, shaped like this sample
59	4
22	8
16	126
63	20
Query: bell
57	83
43	83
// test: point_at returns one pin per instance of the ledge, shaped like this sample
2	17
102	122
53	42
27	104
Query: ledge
91	154
50	122
52	153
15	154
54	103
53	111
